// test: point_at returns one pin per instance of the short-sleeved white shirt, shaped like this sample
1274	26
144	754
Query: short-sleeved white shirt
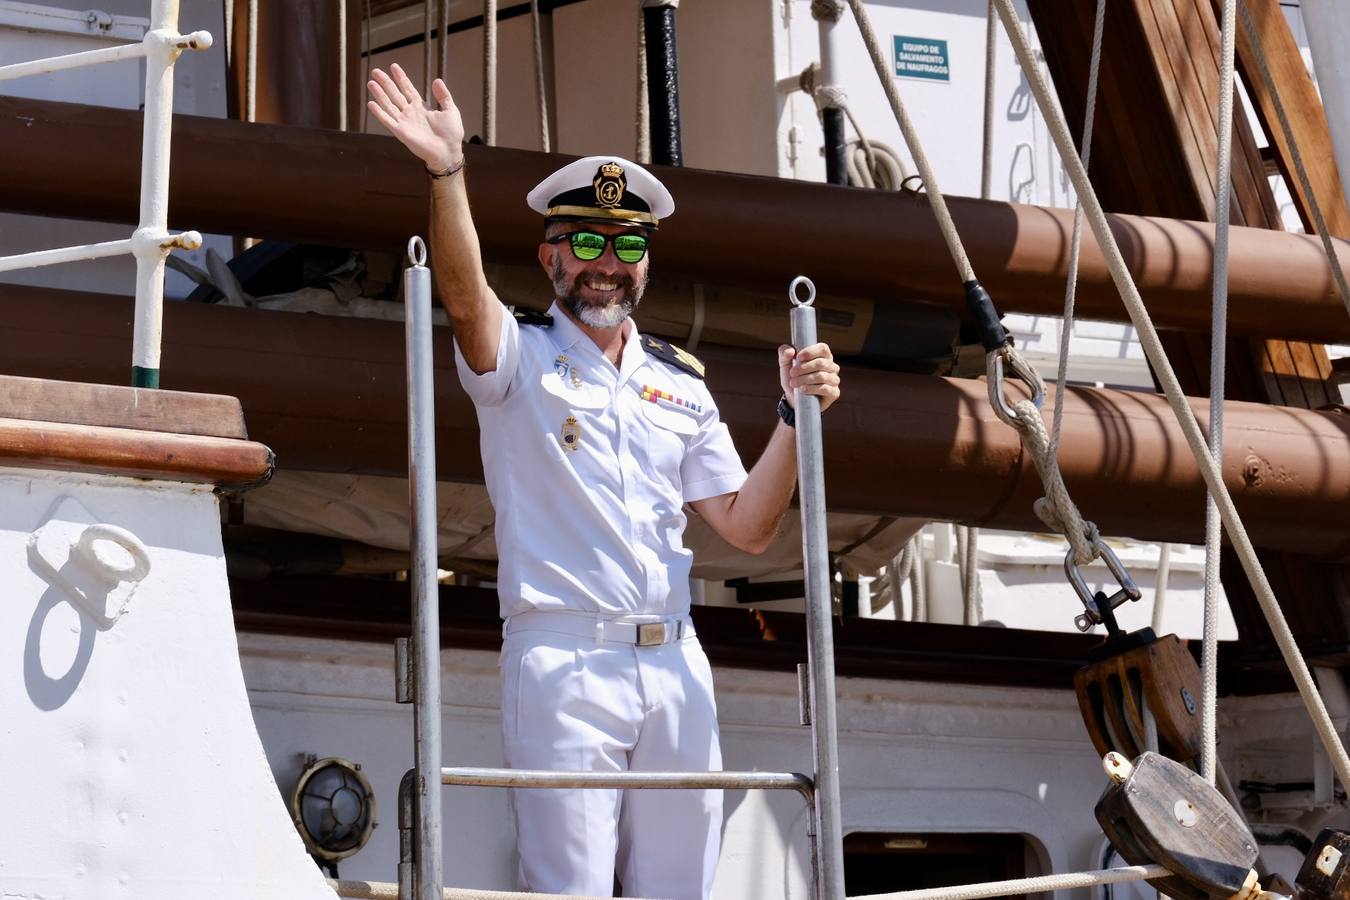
589	467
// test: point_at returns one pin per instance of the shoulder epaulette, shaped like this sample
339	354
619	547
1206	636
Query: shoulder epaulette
676	356
531	317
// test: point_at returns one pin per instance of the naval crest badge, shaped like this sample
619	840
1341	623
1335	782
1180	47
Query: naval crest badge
610	183
571	433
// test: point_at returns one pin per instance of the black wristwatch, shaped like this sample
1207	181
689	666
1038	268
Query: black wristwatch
787	413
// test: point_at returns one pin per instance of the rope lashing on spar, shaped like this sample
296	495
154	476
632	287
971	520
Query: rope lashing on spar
1002	359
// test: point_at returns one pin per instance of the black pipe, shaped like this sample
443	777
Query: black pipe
836	163
663	85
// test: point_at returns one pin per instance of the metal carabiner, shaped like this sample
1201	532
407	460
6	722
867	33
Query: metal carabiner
1093	603
996	379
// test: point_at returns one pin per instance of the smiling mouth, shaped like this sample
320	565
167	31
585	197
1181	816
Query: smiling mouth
601	285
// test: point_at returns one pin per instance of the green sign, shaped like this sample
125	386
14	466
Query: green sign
921	58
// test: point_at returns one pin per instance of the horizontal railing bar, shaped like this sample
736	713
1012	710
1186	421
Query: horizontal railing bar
530	778
1034	885
65	254
72	61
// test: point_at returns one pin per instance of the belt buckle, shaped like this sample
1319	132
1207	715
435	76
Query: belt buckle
651	634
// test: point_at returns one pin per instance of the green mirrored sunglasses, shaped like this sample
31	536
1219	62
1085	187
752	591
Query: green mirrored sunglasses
589	245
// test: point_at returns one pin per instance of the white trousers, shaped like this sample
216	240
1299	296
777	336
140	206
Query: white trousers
571	703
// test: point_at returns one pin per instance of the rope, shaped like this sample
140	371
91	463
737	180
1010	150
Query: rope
1039	884
427	32
1209	653
251	66
342	65
882	167
537	27
918	580
644	116
873	165
1148	337
489	72
944	217
990	52
1160	592
967	558
827	10
1071	285
366	48
443	39
1314	208
1056	509
229	33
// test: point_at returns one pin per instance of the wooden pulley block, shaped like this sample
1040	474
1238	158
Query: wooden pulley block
1159	811
1326	872
1134	670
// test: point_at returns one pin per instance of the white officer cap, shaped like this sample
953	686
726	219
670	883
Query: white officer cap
606	189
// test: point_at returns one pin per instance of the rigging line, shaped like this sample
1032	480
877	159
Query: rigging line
443	40
1223	190
1071	287
1056	509
990	52
342	64
944	217
1148	337
427	32
537	28
490	72
365	108
1314	208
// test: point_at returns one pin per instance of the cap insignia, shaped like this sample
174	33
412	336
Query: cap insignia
610	184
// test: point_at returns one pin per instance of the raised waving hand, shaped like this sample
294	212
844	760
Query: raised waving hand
435	136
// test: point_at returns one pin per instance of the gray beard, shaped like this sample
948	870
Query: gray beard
611	315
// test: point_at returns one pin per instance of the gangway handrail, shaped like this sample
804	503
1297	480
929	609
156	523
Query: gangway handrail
475	776
469	776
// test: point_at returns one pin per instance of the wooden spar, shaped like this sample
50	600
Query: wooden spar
327	394
359	190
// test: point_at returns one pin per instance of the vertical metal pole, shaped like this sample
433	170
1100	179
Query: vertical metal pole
426	611
827	16
819	639
152	230
663	81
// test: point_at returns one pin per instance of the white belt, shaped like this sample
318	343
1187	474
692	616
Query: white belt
639	630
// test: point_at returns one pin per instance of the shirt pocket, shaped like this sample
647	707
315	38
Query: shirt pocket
584	397
666	418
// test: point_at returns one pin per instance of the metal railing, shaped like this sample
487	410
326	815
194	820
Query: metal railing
420	853
151	242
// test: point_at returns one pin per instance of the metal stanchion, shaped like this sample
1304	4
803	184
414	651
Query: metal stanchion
819	640
425	597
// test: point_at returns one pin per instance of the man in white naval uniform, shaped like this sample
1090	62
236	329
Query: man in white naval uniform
594	438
